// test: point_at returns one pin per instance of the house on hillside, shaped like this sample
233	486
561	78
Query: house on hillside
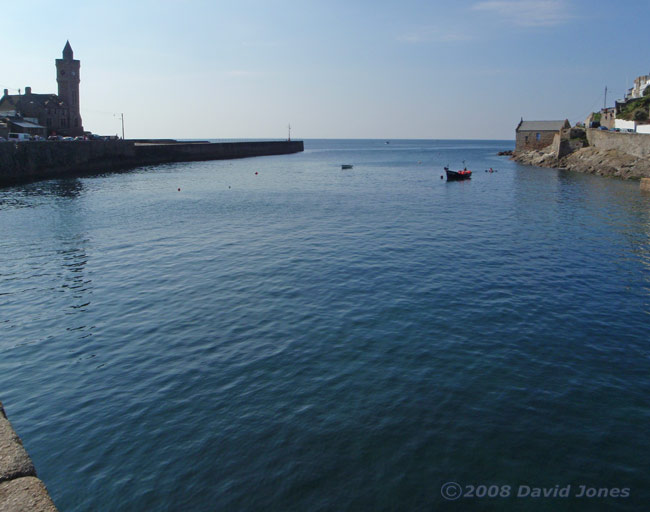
640	84
606	117
538	134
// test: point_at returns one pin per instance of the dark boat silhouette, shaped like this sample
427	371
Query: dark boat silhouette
465	174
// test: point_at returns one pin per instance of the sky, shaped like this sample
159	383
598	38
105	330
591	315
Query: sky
463	69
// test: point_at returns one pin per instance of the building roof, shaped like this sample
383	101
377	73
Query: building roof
542	126
26	124
18	102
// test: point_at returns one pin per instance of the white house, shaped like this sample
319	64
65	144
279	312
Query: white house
640	83
624	125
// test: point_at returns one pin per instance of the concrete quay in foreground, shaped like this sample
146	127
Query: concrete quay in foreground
20	490
38	160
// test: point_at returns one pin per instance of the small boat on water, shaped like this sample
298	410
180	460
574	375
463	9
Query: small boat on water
347	166
465	174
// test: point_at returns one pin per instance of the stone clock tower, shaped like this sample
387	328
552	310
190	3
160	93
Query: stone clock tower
67	77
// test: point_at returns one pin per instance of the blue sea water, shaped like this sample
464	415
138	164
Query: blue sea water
281	334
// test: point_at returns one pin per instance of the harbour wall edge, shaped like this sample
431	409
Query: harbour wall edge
20	488
38	160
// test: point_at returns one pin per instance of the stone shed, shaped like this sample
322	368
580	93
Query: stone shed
538	134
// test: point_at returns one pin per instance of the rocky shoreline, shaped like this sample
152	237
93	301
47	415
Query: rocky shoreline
590	160
20	489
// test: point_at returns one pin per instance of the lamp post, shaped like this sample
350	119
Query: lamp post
122	119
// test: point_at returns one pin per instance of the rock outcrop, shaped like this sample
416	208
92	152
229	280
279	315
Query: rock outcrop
20	490
606	157
546	157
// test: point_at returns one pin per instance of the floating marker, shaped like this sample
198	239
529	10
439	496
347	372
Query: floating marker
179	189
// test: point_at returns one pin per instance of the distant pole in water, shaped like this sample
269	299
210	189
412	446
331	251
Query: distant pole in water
289	139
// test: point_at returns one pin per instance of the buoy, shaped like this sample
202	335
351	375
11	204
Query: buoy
256	173
179	189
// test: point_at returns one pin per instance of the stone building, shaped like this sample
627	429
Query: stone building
606	117
57	114
537	134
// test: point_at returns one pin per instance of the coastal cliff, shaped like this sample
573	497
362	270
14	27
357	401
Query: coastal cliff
620	155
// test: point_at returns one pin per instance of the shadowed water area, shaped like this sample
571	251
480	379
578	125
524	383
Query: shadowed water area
309	338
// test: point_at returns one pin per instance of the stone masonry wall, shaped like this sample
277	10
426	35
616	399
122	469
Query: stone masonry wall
20	490
634	144
31	161
545	139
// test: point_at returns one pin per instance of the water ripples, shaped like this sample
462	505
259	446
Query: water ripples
311	340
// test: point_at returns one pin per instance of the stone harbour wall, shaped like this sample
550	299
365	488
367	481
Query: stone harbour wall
31	161
634	144
20	489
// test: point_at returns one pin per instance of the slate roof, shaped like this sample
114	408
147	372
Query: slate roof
21	101
27	124
542	126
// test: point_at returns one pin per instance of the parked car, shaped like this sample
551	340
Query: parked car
2	139
54	137
604	128
68	138
19	137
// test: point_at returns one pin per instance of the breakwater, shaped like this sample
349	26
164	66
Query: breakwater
19	487
32	161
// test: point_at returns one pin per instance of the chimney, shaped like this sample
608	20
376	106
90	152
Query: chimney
28	90
6	92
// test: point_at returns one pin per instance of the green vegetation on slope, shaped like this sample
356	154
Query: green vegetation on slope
636	110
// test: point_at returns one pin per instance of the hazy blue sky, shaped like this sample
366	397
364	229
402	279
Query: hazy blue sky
333	69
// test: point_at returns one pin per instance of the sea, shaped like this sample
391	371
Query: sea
280	334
